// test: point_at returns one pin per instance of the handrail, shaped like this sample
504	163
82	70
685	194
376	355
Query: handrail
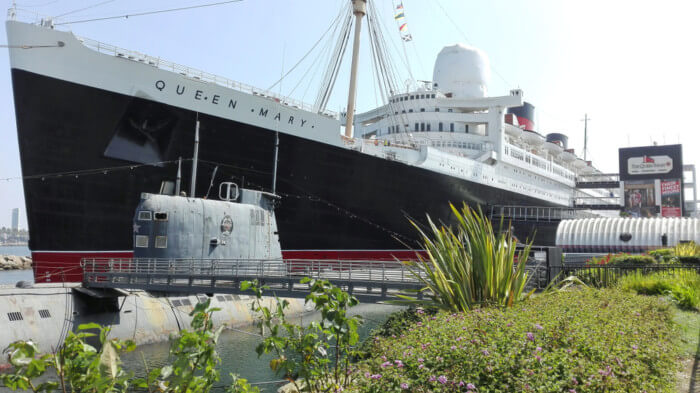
197	74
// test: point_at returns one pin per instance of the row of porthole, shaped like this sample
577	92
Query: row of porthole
141	241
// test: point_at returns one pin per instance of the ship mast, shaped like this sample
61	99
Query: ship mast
359	9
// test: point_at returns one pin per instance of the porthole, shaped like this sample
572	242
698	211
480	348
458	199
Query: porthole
161	216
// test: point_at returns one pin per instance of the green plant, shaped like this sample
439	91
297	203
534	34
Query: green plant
663	255
689	249
470	265
81	368
302	353
77	366
683	286
582	340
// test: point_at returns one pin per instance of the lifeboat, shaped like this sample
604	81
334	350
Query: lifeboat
533	138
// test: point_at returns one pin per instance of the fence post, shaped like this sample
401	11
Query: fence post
554	263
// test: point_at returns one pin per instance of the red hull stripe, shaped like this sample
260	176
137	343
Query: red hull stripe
63	266
357	255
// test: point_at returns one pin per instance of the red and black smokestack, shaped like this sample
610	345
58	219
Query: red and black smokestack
525	115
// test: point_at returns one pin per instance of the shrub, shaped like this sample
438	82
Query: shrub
637	260
576	341
689	249
694	260
663	255
683	286
469	265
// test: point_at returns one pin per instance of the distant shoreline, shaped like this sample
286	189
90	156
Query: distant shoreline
18	244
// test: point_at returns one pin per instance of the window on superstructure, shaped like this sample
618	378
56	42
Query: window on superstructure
422	126
427	128
422	109
416	129
466	128
439	126
161	216
449	110
412	97
141	241
452	127
145	215
422	96
161	242
433	96
437	109
410	111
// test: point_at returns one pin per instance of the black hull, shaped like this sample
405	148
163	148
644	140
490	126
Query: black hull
332	198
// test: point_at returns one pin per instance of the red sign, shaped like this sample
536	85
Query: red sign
671	198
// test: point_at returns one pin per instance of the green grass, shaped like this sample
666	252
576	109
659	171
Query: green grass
688	322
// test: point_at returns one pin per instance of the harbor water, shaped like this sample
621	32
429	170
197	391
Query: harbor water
10	277
237	350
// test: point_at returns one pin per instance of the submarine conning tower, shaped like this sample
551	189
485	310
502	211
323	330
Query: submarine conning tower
241	225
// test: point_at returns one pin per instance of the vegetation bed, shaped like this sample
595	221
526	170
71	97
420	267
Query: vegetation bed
577	341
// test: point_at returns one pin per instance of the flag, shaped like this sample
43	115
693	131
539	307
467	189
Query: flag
400	6
648	160
407	38
398	16
403	27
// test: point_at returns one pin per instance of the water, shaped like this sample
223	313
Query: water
237	350
10	277
20	251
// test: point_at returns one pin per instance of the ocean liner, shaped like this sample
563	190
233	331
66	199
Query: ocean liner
98	125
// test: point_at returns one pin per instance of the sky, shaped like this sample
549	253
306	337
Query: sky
630	65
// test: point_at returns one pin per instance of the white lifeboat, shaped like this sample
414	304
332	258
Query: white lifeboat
513	131
533	138
568	156
580	164
553	148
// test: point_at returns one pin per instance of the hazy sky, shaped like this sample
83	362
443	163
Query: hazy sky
631	65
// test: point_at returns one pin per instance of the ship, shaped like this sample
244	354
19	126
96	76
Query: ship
98	125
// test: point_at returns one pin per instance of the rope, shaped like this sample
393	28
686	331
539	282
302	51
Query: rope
126	16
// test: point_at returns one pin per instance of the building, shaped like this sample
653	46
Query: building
15	219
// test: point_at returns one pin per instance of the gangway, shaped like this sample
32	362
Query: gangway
537	213
369	281
598	180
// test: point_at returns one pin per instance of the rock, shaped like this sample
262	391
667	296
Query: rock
11	262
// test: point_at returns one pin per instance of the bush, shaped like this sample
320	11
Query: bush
695	260
578	341
470	265
663	255
689	249
683	286
632	260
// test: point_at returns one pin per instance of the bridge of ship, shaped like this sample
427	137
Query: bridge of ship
370	281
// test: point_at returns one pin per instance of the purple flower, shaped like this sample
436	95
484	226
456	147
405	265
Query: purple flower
419	324
538	349
398	363
386	364
574	381
421	360
404	385
376	376
431	379
538	358
460	384
538	326
634	346
442	379
383	357
485	352
419	311
453	347
420	366
530	336
471	386
367	374
572	390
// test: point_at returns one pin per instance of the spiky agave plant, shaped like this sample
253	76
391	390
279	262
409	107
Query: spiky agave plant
469	265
